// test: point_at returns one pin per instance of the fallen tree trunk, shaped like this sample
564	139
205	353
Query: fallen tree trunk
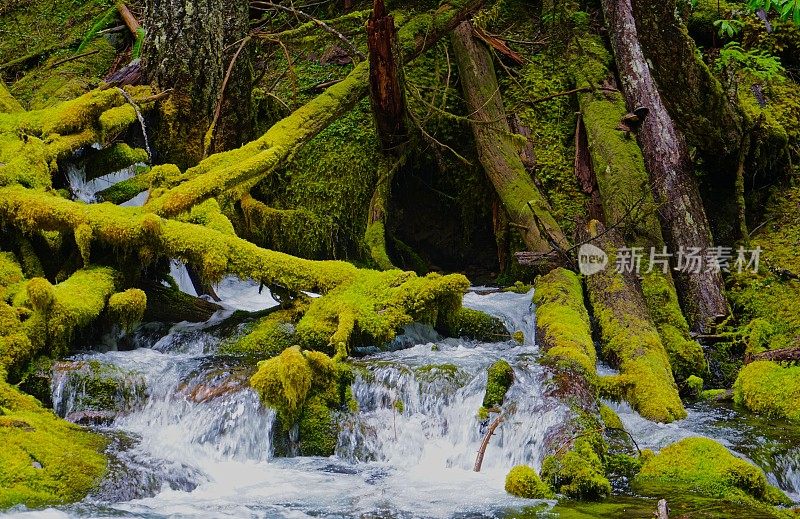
169	305
243	167
790	354
669	165
525	205
630	340
628	201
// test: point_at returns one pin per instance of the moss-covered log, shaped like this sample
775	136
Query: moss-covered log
7	102
499	154
373	303
630	339
245	166
670	167
628	202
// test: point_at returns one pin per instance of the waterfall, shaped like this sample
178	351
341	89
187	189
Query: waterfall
140	117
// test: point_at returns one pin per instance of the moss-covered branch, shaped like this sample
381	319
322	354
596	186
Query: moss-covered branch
499	154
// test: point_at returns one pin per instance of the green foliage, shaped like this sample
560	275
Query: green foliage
729	28
758	64
786	9
500	377
523	481
578	473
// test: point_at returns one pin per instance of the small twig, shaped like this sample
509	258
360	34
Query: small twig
317	21
485	443
218	110
155	97
71	58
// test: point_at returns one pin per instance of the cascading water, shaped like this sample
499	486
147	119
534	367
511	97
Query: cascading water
191	439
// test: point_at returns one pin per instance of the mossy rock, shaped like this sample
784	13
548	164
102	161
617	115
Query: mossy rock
578	473
523	481
768	388
44	460
703	466
499	378
473	324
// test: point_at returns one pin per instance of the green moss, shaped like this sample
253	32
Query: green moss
44	460
578	473
304	388
610	418
113	158
768	388
473	324
269	336
128	307
518	336
523	481
7	102
11	276
499	377
105	387
702	466
562	322
694	386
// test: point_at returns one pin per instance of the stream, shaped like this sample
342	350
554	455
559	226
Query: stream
192	440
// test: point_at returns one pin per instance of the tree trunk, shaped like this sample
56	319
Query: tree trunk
694	98
245	166
526	207
188	48
666	156
387	97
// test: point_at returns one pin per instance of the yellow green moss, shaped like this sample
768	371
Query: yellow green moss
7	103
11	276
44	460
304	388
523	481
499	378
268	336
578	473
128	307
473	324
562	322
768	388
703	466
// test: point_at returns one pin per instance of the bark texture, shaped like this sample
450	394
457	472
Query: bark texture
500	156
188	48
670	167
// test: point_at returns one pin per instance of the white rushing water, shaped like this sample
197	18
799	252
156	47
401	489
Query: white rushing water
192	440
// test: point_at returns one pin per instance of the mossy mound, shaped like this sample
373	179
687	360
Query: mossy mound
705	467
577	473
305	388
500	376
473	324
768	388
523	481
44	460
562	322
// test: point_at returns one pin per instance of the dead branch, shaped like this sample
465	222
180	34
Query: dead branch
485	442
130	21
72	58
324	26
499	45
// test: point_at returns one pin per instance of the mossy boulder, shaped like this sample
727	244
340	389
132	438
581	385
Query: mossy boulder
577	473
305	388
44	460
703	466
523	481
768	388
473	324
